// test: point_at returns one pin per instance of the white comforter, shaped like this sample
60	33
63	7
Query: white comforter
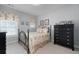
36	38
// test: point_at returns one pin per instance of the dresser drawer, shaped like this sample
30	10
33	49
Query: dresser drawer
2	36
2	51
56	34
67	40
57	41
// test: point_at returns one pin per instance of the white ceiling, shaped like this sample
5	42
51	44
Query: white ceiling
41	9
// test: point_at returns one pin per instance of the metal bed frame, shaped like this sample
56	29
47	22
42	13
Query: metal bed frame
26	41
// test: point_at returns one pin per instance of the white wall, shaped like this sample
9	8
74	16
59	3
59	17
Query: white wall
70	12
24	17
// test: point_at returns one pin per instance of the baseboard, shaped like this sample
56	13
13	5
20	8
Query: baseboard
76	47
8	43
52	41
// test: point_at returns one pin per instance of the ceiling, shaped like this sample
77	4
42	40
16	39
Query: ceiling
37	10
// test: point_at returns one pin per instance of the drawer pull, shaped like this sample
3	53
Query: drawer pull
56	28
67	43
56	34
68	29
67	36
56	31
67	39
57	37
67	32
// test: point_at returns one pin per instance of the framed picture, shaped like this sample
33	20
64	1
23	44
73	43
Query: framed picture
27	23
22	23
46	21
42	23
2	15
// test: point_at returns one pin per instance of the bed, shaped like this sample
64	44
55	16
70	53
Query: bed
36	40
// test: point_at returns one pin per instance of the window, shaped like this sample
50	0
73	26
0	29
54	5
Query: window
9	26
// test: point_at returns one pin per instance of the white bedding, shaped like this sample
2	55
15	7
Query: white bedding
36	39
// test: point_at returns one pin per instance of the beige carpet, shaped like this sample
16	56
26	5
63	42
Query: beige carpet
50	48
15	48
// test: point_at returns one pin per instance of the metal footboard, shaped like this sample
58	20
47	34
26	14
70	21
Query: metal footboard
24	40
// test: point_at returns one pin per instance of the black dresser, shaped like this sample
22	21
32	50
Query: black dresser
2	42
64	35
